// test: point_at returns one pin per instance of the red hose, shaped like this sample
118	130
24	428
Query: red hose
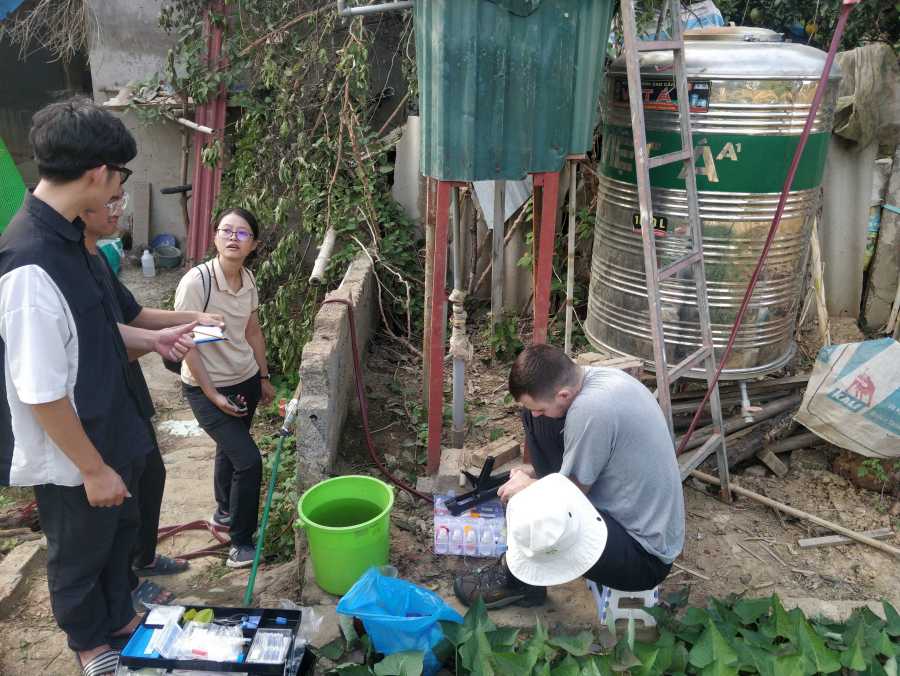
364	406
776	221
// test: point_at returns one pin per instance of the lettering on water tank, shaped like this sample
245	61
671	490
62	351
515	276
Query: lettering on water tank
663	95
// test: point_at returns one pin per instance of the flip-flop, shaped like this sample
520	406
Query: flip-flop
104	664
162	565
150	592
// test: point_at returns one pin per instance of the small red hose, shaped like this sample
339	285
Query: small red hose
776	221
364	406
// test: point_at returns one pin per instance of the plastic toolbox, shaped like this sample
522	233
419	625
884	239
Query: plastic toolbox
299	660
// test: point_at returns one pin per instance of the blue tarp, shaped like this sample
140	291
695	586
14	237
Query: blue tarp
7	6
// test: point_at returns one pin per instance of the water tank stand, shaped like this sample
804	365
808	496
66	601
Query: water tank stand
546	200
693	261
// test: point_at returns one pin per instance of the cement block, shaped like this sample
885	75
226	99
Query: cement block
13	572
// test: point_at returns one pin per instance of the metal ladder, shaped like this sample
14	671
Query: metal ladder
666	375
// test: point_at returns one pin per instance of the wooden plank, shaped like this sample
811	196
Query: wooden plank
631	365
770	460
800	514
830	540
503	450
139	192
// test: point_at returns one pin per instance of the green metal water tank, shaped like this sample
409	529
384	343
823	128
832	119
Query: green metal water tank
508	87
12	189
750	97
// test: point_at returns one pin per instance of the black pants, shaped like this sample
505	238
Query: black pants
238	468
149	496
624	564
89	559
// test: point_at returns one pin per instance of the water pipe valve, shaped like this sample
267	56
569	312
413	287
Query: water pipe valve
290	411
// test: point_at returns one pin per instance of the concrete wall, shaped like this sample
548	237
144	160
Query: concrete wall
326	372
30	85
129	46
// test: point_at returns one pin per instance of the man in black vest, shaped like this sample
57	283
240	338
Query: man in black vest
70	423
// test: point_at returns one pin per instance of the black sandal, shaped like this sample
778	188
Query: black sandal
150	592
104	664
162	565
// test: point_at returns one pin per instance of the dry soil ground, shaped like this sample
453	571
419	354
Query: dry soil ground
742	548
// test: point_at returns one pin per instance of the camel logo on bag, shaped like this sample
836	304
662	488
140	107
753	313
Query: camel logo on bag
856	397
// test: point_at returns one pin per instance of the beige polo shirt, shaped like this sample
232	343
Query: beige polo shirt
231	361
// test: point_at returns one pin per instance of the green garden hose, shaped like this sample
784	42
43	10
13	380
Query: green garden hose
289	417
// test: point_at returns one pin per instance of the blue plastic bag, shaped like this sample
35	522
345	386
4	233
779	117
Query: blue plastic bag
398	615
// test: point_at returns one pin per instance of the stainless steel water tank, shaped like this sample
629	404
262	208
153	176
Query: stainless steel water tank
750	96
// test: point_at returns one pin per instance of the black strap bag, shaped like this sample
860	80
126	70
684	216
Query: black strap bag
206	277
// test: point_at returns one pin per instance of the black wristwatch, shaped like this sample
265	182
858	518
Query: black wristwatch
267	377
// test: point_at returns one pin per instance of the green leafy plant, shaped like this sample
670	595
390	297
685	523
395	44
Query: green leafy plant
505	341
283	512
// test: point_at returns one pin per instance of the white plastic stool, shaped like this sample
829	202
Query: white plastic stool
608	604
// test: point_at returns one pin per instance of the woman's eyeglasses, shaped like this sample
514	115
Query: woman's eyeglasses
117	207
228	233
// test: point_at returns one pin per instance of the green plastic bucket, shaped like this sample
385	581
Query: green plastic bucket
347	522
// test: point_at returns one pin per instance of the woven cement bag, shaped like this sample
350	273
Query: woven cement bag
853	397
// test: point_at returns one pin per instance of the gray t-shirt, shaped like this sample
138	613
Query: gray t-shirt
617	442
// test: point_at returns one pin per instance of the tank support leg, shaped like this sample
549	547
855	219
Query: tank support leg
545	229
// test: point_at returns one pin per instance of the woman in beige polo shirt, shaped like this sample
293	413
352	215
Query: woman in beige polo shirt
224	381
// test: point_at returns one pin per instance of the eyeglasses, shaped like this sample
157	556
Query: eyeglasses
117	207
123	171
228	233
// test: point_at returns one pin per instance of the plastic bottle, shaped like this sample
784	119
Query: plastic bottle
470	541
486	542
456	541
441	539
148	265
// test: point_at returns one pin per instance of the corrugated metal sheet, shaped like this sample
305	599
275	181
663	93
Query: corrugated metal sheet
507	87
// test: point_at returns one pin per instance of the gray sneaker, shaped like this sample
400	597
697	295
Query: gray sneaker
241	556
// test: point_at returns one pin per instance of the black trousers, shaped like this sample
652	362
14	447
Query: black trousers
624	564
238	468
149	496
89	559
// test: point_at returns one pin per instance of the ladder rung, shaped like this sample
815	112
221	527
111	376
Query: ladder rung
691	460
672	269
689	362
669	158
659	45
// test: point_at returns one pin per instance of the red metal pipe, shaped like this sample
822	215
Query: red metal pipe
206	181
437	328
776	221
544	262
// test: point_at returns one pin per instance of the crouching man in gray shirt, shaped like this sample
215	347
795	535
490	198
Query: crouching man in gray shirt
603	430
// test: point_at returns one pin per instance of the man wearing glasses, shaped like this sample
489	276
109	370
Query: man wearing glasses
70	422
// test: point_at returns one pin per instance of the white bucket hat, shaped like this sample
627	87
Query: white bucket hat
554	532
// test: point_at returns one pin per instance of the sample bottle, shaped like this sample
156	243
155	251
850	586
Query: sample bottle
486	542
456	541
441	539
470	540
148	265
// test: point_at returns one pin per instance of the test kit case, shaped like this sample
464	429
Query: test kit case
299	660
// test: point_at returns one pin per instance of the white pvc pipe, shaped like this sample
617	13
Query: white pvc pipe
193	125
318	271
397	5
458	431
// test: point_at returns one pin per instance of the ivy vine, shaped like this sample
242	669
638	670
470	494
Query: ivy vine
300	153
